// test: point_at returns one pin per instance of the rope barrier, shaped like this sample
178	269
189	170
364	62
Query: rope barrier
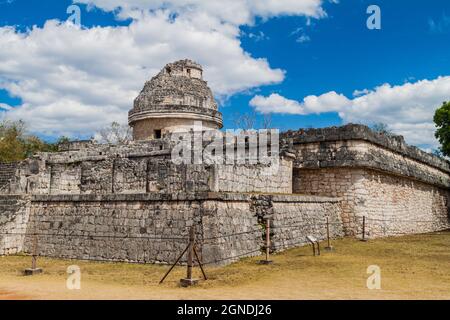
370	226
232	257
29	234
233	235
389	220
306	224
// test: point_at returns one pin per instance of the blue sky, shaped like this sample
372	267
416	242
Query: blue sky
64	80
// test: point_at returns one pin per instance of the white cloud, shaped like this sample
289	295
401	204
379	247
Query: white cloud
407	109
236	12
275	103
74	81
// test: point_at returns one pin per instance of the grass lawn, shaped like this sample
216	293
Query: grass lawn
412	267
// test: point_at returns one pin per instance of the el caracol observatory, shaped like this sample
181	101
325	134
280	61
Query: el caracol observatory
174	100
131	202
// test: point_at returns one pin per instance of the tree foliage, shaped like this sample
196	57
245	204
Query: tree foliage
16	145
442	121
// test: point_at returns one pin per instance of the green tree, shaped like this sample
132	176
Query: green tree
442	121
15	145
11	144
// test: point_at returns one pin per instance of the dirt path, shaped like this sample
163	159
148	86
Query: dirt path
276	288
414	267
5	295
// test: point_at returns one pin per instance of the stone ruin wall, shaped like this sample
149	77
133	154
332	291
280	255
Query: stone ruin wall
142	168
82	199
14	216
254	178
392	205
114	203
295	217
153	228
7	171
399	191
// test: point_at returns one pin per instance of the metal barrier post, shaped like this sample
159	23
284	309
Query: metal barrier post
364	230
329	247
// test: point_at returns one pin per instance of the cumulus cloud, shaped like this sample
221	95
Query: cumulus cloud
237	12
275	103
74	80
407	109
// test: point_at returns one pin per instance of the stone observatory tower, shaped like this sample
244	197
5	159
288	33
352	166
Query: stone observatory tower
174	100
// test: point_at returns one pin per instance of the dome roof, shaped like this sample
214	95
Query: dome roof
178	88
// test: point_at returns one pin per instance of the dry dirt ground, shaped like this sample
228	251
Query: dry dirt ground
412	267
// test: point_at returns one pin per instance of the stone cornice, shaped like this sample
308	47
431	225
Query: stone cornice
395	144
176	111
199	196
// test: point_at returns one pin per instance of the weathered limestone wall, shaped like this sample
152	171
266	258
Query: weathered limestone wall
112	228
14	215
393	205
101	170
132	203
230	230
409	206
144	228
65	178
354	146
254	178
360	153
149	228
7	171
400	189
108	172
295	217
88	170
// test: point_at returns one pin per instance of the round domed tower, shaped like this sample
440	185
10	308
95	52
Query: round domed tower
174	100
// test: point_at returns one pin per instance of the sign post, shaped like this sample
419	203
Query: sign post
329	247
314	242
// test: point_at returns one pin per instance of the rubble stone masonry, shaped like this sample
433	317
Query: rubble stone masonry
132	203
399	190
154	228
